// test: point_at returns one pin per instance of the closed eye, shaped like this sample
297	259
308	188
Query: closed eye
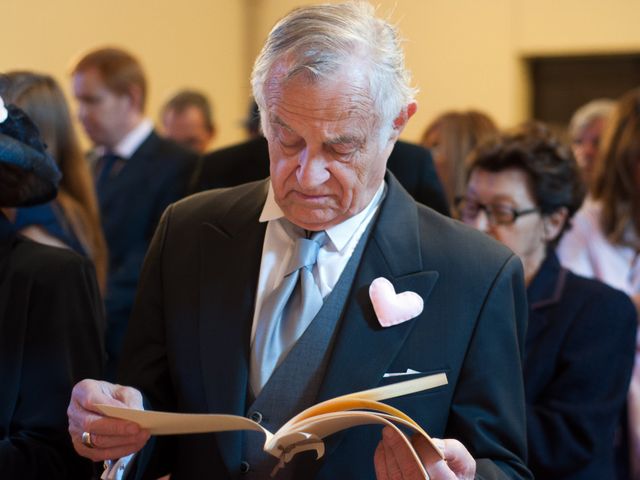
344	146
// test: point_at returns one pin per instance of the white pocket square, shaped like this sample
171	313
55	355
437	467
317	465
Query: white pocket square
399	374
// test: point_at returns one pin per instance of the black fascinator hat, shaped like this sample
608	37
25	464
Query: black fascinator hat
28	174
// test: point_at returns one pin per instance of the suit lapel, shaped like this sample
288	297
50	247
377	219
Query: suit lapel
232	247
360	339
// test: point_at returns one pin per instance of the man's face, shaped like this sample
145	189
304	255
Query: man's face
188	128
326	157
103	113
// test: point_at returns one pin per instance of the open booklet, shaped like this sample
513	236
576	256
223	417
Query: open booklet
306	430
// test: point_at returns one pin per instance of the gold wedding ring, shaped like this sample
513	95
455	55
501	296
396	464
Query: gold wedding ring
86	440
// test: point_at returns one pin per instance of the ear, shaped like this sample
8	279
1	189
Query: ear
553	223
404	116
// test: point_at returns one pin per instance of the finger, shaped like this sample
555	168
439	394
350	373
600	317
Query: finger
380	462
439	470
110	426
100	454
401	464
426	451
130	397
88	392
459	459
391	463
110	441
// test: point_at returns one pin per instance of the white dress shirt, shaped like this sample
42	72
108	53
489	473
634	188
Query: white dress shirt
131	141
585	250
333	256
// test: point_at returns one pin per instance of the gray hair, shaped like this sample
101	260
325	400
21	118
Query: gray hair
595	109
320	39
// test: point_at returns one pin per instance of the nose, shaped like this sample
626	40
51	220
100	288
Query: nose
481	222
312	169
590	149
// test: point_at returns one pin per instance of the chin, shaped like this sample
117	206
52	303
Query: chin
313	220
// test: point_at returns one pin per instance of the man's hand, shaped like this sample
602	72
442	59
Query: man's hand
111	438
393	460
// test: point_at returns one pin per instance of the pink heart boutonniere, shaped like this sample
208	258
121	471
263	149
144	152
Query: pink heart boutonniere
393	308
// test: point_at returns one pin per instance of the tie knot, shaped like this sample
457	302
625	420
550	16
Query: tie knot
305	253
110	157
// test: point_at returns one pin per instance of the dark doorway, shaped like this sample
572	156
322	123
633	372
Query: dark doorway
562	84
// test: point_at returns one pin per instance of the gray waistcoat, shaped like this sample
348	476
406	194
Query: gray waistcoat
294	384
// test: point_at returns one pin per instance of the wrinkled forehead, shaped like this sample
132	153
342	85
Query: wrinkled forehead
342	92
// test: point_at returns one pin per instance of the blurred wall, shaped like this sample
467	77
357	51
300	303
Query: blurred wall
463	53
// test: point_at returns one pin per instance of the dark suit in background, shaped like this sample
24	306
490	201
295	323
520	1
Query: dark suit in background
51	336
131	204
246	162
578	361
188	345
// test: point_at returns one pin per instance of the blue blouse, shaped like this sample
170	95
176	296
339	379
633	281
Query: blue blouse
52	219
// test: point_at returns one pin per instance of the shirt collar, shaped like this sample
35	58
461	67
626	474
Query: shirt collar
547	285
132	140
339	234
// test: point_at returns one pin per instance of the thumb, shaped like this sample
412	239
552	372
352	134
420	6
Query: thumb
128	396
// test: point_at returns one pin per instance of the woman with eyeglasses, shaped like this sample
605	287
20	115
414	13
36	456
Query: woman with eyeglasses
522	188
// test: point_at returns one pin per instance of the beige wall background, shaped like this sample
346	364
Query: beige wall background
194	43
463	53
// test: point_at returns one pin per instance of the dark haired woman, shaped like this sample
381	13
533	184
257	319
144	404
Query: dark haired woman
522	189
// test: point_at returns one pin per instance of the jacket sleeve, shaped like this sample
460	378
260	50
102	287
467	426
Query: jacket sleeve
488	407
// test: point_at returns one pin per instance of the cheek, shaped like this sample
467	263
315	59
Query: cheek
522	241
508	237
103	113
348	179
281	168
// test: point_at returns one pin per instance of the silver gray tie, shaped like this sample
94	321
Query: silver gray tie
286	312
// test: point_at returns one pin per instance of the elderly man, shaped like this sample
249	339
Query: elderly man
227	321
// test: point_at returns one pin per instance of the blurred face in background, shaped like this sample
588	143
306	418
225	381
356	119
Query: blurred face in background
501	205
585	146
106	116
188	128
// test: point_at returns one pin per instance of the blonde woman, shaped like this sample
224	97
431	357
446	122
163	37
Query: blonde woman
450	137
72	220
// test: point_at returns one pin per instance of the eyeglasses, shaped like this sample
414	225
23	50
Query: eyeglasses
496	214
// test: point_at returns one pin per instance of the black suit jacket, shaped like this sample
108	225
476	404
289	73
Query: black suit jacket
51	336
131	204
579	354
187	347
246	162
